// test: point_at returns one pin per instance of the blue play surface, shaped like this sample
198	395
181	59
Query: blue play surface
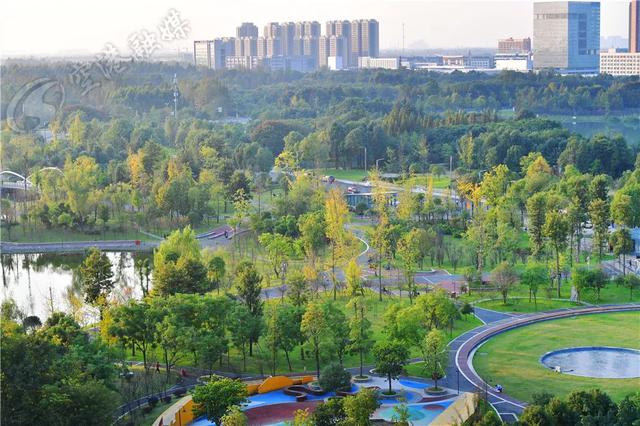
413	384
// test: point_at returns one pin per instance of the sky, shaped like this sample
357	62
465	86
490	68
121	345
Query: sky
40	27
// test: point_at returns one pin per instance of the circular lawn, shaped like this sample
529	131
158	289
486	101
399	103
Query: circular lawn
512	359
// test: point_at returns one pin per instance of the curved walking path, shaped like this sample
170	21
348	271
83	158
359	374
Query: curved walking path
461	373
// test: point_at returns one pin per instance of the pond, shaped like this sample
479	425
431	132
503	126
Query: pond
595	361
45	283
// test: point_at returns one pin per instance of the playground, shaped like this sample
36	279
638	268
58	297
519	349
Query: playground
275	400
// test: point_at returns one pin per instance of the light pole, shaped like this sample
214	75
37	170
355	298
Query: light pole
365	160
377	167
458	373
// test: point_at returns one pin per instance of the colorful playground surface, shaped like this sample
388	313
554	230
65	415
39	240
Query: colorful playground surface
275	407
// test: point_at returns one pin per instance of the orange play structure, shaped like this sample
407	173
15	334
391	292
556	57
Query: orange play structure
276	382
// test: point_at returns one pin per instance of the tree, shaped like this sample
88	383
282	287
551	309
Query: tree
329	413
622	244
288	323
336	213
466	309
279	248
298	289
337	329
599	214
96	276
435	355
314	327
561	413
80	179
556	230
504	276
534	274
409	254
631	281
535	415
536	208
134	324
334	378
381	241
360	407
241	327
248	285
234	417
214	399
391	356
178	266
588	279
360	340
353	277
216	270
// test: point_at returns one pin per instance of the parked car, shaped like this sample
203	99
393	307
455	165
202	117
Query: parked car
353	190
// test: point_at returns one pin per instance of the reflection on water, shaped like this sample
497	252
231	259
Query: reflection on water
44	283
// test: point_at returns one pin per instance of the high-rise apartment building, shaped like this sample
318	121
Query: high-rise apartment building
212	53
341	29
287	38
202	53
514	45
247	29
634	26
566	35
365	39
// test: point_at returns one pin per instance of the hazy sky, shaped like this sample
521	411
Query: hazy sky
71	26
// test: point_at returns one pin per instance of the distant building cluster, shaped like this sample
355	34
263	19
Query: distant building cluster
298	46
566	38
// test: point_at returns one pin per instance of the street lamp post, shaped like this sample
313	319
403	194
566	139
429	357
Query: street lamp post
377	167
458	373
365	159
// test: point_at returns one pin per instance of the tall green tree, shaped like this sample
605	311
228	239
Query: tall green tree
359	331
314	327
215	399
536	209
248	284
391	356
556	230
435	355
97	278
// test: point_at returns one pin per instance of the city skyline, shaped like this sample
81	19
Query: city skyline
427	24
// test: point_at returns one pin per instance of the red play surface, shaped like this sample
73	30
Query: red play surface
276	413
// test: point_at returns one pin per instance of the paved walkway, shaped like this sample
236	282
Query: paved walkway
488	316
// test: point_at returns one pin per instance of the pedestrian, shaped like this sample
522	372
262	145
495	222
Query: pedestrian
157	367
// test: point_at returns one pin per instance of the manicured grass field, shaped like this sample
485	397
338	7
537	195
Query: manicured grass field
347	174
523	305
57	235
512	359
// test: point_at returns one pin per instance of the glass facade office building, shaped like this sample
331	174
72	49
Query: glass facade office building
566	36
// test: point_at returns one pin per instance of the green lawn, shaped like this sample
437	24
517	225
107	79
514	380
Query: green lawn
347	174
523	305
512	359
439	182
56	235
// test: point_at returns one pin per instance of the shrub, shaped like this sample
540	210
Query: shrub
334	377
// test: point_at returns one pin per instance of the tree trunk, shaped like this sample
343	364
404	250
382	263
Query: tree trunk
558	276
286	354
389	378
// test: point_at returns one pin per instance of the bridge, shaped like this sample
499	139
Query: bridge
15	181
